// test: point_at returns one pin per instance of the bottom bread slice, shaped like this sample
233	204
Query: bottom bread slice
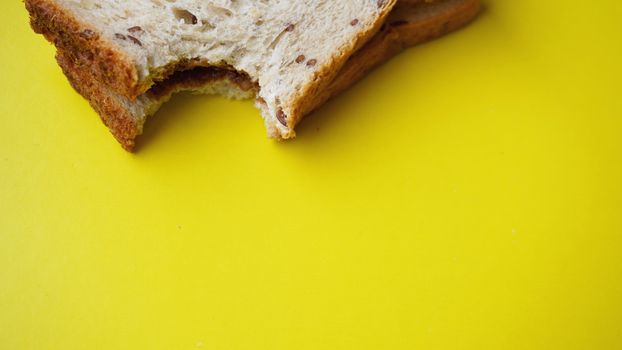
410	23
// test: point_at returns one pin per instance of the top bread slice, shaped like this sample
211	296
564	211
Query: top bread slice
289	49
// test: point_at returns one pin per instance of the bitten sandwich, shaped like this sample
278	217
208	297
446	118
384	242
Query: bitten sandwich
129	57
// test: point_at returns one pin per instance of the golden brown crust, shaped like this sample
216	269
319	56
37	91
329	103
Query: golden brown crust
304	101
411	23
430	20
107	64
114	115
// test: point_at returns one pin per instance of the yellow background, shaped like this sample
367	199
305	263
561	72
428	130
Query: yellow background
467	195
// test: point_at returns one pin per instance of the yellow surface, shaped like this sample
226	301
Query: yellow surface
468	195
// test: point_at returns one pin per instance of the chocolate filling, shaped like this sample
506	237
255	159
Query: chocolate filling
197	77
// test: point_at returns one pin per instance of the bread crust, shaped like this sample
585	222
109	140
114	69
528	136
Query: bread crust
391	36
77	59
108	64
411	23
115	116
305	99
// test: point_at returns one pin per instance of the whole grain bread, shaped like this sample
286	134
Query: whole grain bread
125	87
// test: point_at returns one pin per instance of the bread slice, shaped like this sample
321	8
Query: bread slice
131	45
126	84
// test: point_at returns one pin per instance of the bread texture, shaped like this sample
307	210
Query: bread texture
127	68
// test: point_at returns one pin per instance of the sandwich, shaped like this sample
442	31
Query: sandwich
127	58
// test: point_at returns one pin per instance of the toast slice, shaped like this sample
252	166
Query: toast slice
411	22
